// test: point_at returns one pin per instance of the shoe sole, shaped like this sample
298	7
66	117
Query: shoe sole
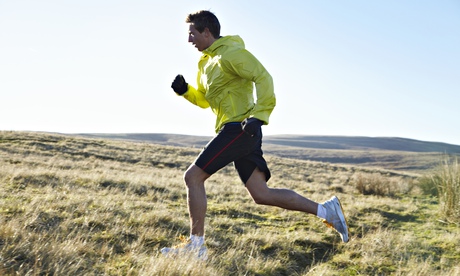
201	255
343	219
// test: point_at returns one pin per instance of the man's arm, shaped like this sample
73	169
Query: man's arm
182	88
196	97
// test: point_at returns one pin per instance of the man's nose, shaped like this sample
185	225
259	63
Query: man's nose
190	38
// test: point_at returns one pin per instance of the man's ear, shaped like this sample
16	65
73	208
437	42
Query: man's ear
206	32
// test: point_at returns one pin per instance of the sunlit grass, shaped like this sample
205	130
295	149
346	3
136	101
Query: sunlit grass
447	180
73	206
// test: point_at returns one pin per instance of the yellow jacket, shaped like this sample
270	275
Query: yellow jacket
226	74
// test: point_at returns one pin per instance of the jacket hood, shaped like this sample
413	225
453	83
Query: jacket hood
231	40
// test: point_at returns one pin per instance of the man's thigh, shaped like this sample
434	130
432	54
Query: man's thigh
230	144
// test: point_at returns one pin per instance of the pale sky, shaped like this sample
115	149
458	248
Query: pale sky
355	68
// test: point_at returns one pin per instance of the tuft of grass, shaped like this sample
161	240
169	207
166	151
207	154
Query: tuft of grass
379	184
428	186
447	180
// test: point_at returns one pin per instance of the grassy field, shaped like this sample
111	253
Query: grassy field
79	206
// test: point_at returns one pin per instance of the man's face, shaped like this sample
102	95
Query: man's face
199	40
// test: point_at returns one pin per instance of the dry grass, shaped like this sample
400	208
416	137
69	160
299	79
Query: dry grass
447	181
72	206
382	185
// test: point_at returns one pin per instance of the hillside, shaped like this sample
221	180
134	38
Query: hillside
78	206
388	153
86	206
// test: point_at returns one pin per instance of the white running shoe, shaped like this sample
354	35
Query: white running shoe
186	248
335	218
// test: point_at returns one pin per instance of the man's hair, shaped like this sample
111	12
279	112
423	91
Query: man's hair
205	19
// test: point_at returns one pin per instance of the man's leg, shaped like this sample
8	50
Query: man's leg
331	210
196	198
230	144
284	198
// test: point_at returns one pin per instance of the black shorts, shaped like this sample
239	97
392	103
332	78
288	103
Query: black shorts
232	144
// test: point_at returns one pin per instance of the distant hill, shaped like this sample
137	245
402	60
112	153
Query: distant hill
365	143
302	141
384	152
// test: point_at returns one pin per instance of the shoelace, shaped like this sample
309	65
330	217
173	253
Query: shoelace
184	241
328	224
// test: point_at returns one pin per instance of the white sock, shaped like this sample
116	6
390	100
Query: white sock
321	211
197	240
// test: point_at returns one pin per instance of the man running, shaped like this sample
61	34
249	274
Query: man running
227	73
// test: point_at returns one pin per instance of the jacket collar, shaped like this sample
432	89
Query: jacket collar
224	40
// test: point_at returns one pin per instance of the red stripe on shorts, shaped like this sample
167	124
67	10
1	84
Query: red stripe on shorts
222	150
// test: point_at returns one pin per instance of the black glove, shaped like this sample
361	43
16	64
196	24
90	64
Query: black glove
251	125
179	85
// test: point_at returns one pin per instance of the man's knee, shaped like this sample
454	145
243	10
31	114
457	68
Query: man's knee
261	198
257	187
261	195
194	175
